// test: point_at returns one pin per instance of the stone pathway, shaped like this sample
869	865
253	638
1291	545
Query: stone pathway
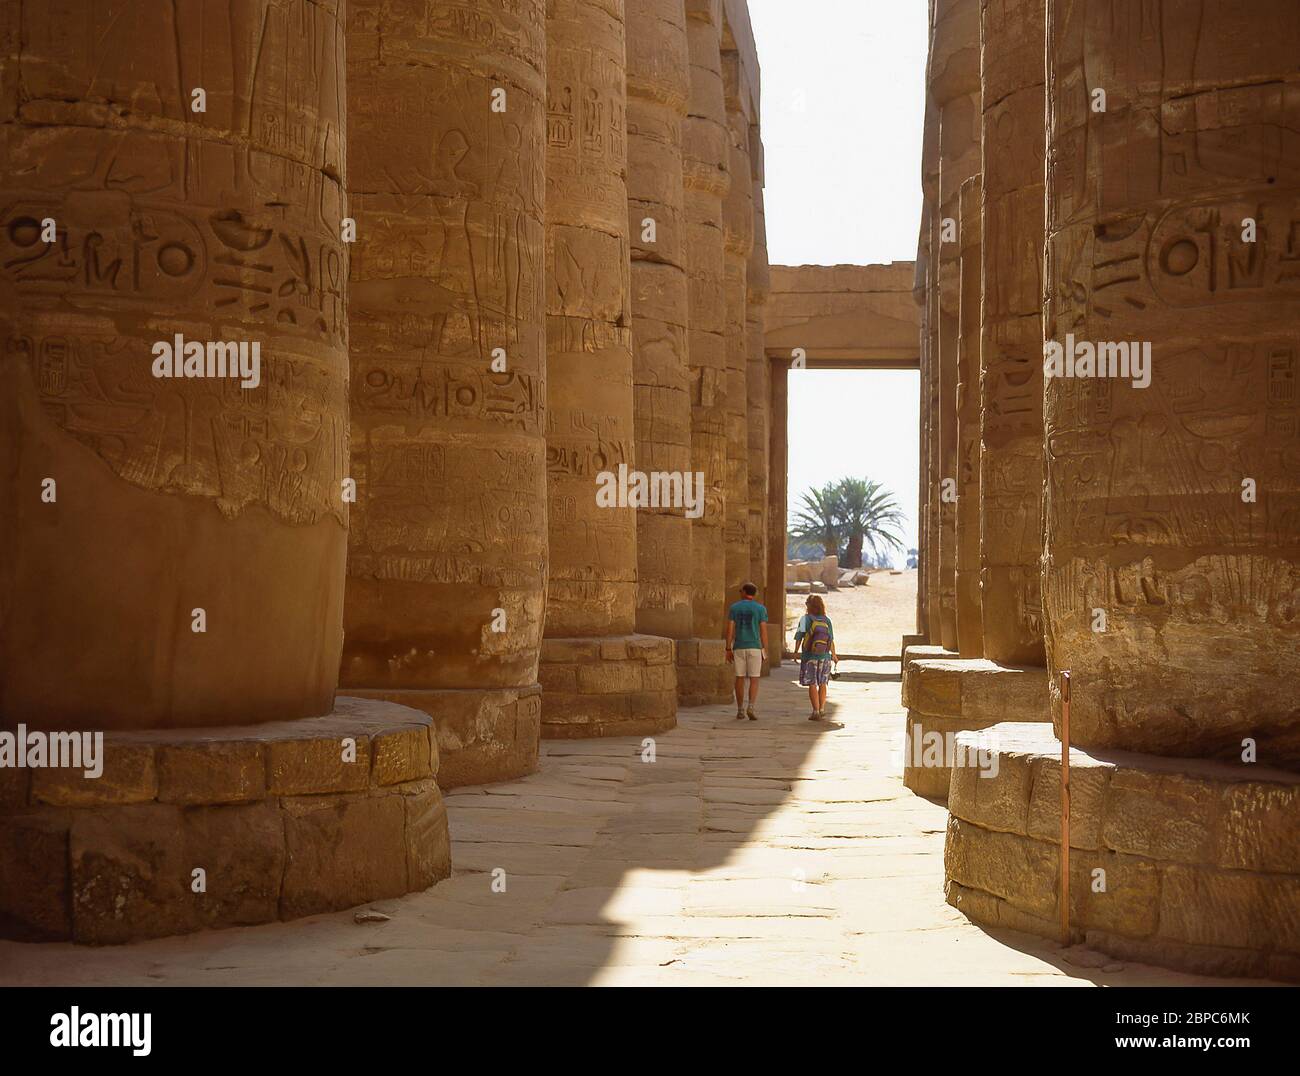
779	852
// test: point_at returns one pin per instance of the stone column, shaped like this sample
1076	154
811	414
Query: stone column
1172	570
447	551
658	83
1011	467
759	390
778	463
970	633
598	678
926	294
131	498
738	231
955	88
173	456
707	179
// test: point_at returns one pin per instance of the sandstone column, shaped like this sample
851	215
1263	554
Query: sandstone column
955	87
173	456
447	548
759	390
707	164
1011	467
597	677
658	83
969	628
132	499
1172	571
738	231
778	464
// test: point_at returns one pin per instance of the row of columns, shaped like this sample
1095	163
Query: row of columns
1143	536
525	261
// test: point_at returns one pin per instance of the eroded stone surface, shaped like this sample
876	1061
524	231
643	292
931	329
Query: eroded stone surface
1151	522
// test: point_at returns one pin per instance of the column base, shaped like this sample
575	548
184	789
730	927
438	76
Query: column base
947	695
623	685
483	736
1201	866
704	676
284	820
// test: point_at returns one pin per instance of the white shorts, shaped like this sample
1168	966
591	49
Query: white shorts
748	662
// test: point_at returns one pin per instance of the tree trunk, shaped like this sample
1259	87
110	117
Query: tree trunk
853	555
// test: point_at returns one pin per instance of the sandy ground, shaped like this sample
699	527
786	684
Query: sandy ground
781	851
869	620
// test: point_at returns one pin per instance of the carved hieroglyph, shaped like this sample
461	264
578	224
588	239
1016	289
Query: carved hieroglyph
658	84
970	633
955	88
164	172
707	181
592	585
738	237
1011	467
447	549
1172	573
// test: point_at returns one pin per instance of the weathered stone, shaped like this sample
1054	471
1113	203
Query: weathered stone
1011	383
129	776
319	764
35	891
231	771
174	494
1151	521
342	851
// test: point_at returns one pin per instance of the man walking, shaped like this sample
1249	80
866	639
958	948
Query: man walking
747	646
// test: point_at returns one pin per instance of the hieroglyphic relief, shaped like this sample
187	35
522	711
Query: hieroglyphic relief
1173	509
155	233
130	219
592	580
448	382
1011	385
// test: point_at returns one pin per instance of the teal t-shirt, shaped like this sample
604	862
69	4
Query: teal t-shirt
747	615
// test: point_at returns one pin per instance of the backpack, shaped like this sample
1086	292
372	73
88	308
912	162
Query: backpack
817	641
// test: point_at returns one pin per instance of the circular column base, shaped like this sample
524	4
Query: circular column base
483	736
947	695
1186	863
623	685
191	829
704	676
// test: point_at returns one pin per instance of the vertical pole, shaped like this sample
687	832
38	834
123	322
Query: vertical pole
778	462
1065	807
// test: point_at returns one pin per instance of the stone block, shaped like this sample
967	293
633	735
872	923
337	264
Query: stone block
999	802
222	771
1020	870
129	776
1088	783
342	851
35	885
14	783
1161	816
428	842
569	651
402	755
608	679
1259	828
316	765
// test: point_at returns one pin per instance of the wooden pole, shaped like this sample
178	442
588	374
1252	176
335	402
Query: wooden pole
1065	808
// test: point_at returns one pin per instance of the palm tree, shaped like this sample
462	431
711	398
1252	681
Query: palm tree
815	519
868	516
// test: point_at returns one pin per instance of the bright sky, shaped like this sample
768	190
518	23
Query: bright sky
843	115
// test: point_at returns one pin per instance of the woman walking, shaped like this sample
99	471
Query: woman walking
814	641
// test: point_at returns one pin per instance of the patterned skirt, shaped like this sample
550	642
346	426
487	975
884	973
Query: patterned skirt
814	672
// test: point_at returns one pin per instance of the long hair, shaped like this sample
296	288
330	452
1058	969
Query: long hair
816	605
